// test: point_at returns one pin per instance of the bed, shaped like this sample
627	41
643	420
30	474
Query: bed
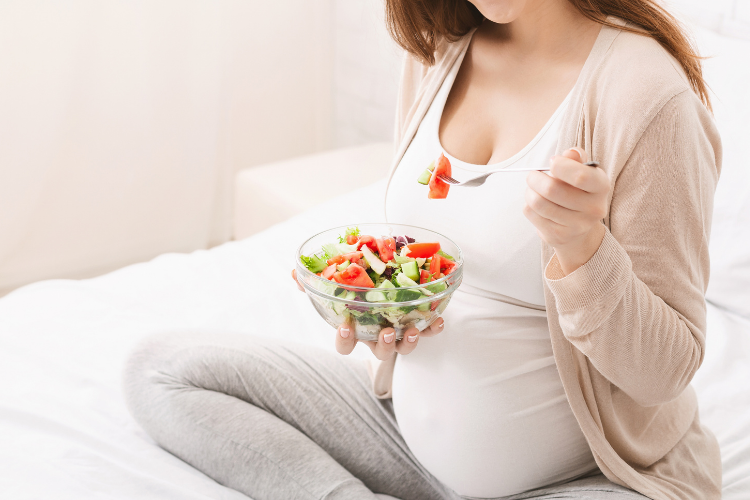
64	429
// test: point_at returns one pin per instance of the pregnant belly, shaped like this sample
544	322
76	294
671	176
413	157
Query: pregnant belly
482	407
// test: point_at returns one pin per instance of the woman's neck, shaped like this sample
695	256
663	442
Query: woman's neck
548	29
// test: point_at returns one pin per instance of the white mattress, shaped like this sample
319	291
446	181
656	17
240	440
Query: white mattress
64	429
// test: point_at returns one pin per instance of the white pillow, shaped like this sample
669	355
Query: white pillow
726	17
727	72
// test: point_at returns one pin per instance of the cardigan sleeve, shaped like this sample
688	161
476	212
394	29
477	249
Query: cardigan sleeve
637	308
412	77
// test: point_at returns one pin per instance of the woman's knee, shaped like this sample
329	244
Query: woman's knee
166	362
147	372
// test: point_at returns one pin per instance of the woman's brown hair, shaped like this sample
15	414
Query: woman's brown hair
418	26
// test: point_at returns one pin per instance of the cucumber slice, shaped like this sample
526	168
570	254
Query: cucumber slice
405	281
339	307
375	296
431	166
388	285
343	266
407	295
325	286
376	264
437	287
424	177
411	270
402	260
423	307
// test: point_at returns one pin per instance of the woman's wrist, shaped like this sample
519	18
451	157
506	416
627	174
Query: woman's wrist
573	255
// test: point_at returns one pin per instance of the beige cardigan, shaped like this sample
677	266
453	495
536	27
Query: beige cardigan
627	328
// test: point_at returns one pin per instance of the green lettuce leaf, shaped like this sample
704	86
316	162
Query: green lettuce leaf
313	264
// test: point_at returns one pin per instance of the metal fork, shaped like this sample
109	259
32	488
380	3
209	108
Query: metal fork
479	180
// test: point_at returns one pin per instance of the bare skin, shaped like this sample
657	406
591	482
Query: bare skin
513	77
521	63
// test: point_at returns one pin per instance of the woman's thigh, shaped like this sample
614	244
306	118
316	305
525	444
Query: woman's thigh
259	414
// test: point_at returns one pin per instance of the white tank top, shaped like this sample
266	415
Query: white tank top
481	405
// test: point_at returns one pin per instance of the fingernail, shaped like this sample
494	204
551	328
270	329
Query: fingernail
411	338
388	337
344	332
441	325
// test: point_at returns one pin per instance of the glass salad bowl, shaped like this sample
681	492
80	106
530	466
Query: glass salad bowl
389	298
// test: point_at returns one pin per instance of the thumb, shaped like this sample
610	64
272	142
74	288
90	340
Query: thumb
576	154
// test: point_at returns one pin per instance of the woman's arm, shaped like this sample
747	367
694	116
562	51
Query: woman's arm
636	308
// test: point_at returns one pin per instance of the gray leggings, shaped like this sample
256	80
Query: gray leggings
286	421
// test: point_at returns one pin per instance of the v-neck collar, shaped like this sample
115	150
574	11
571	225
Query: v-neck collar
434	131
571	125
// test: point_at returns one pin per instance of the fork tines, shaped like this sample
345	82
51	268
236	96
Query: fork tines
448	179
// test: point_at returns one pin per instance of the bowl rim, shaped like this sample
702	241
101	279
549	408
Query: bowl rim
431	298
306	272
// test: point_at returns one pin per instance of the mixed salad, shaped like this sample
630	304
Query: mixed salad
371	276
438	188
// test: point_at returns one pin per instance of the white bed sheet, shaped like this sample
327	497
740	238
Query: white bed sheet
64	429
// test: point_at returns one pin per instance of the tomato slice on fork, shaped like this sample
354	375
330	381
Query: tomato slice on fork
438	188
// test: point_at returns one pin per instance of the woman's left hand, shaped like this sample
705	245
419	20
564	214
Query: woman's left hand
567	207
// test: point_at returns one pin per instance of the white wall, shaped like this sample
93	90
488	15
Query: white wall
366	72
122	122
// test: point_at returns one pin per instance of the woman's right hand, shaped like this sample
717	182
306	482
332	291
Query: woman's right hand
387	344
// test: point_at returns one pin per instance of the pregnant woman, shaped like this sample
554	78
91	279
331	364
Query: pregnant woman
563	366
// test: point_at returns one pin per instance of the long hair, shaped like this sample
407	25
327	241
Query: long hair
418	26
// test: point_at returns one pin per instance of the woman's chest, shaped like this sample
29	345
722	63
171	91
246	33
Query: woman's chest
502	252
487	118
